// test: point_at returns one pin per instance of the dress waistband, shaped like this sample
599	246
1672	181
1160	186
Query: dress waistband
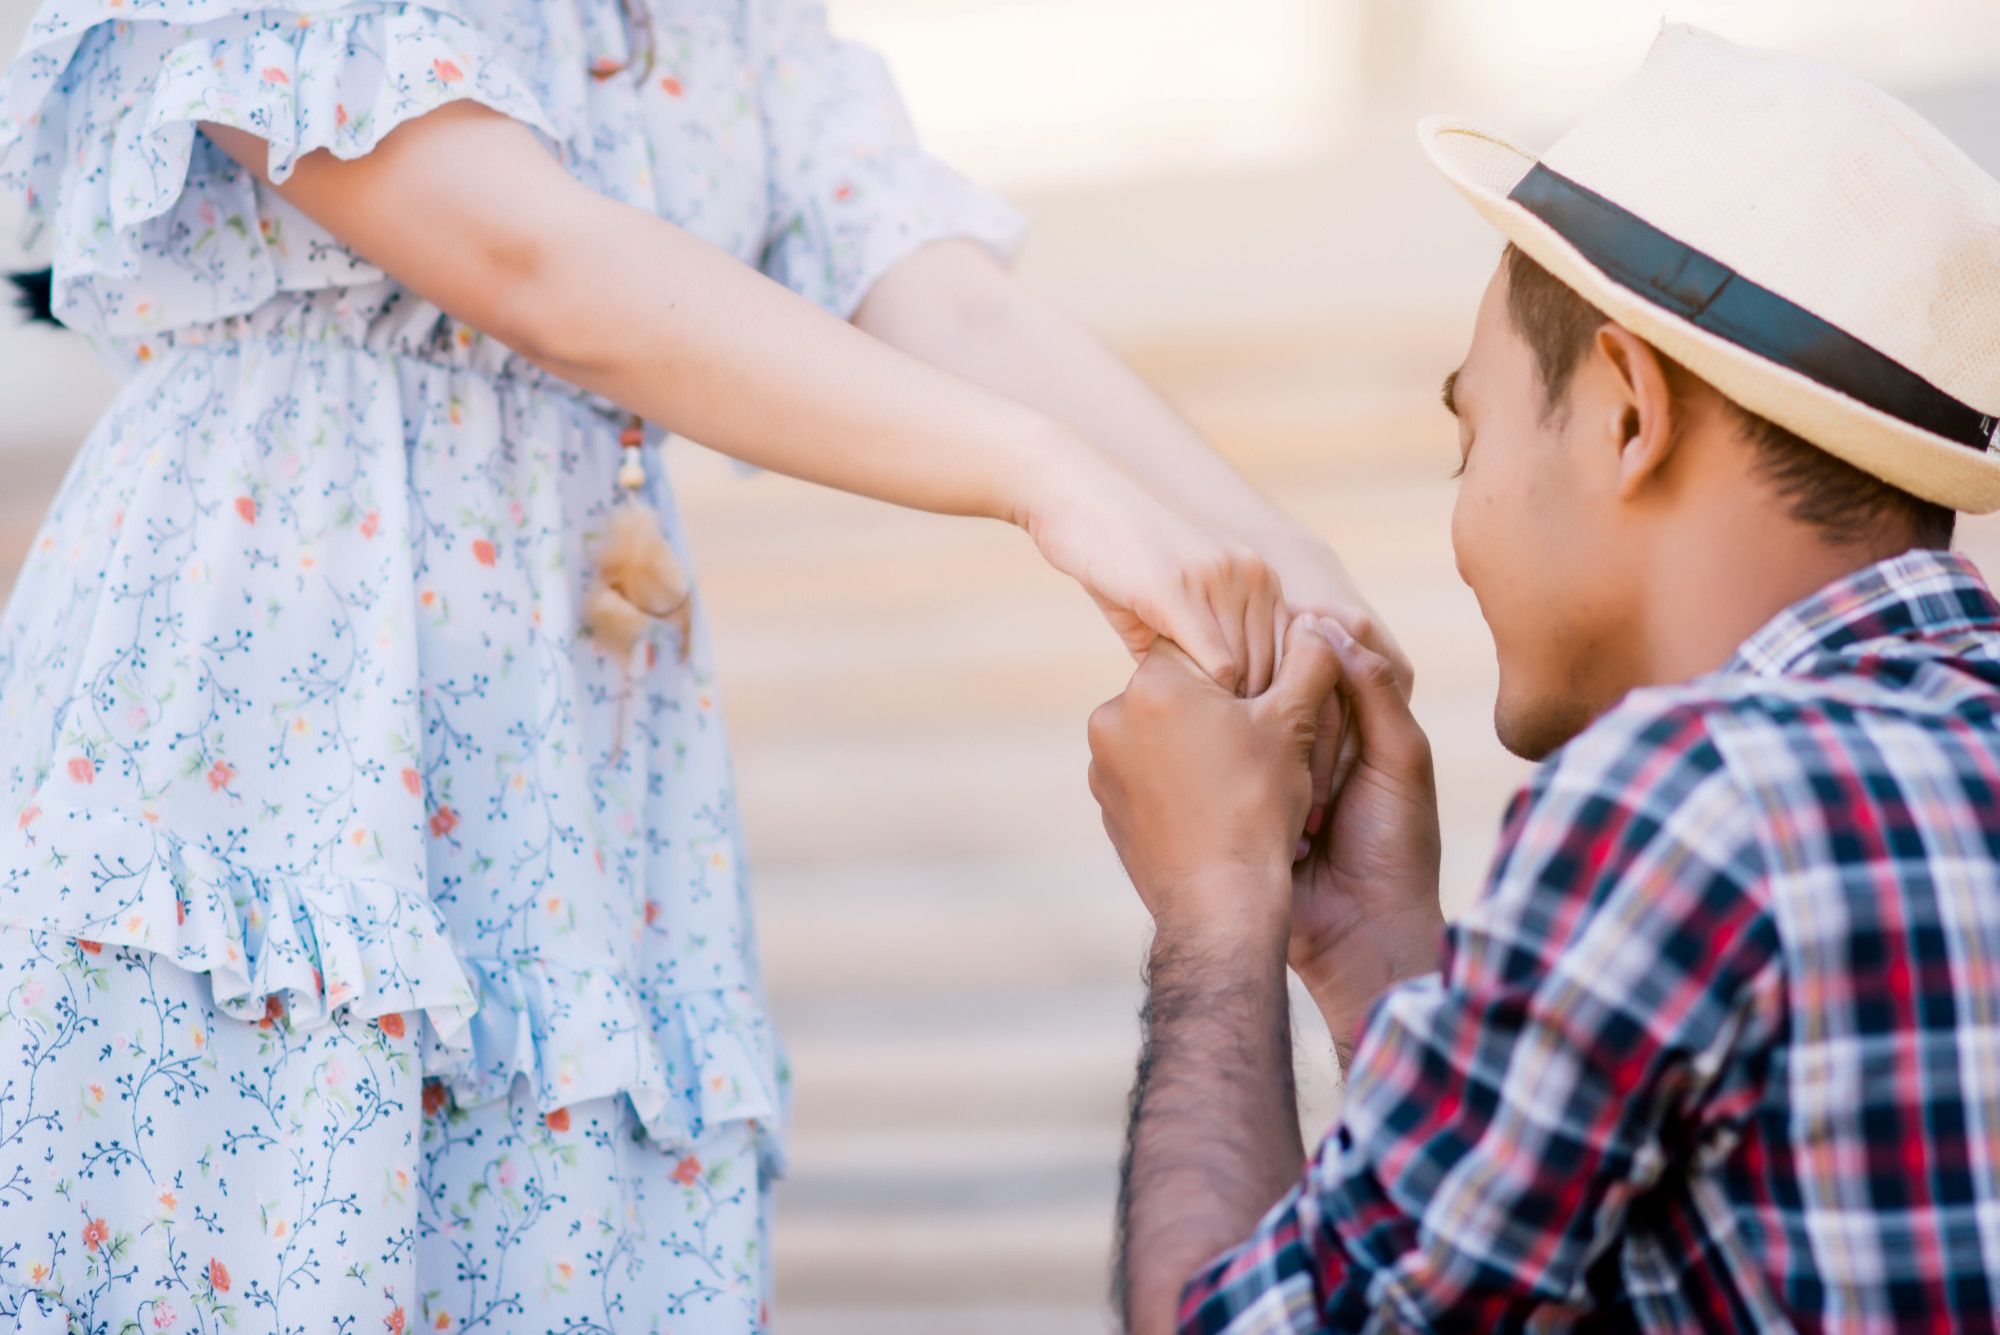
383	317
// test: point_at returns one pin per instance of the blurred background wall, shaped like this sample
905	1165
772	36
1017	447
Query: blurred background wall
1232	194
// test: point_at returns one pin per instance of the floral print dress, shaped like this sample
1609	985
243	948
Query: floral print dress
374	952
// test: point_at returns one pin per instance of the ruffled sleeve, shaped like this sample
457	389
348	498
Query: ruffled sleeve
156	227
851	191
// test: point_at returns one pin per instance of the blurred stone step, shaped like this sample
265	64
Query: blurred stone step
1038	1057
960	1318
921	1257
906	928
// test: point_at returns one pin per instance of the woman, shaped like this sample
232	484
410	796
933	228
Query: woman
376	945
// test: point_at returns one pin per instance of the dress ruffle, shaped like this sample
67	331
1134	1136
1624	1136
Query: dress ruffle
690	1062
288	949
274	945
302	81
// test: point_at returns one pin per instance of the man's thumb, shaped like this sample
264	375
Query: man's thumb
1306	676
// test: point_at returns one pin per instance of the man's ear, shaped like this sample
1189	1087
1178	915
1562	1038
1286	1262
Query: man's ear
1640	406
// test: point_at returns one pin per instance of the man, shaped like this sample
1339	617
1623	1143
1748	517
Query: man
1719	1047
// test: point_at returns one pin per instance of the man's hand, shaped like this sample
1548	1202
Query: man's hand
1204	794
1365	901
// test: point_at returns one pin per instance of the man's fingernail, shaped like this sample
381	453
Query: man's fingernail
1315	820
1333	632
1303	851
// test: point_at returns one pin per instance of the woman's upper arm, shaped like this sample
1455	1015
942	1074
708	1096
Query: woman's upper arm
462	205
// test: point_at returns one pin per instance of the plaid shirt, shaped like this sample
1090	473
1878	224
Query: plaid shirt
1719	1048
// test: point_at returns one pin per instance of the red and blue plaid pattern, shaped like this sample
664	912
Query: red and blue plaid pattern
1719	1048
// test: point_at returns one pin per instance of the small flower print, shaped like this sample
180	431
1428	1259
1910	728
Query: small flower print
484	552
413	782
433	1097
371	523
390	1024
672	86
274	75
81	770
218	1276
443	821
688	1171
447	72
94	1234
220	775
246	509
558	1120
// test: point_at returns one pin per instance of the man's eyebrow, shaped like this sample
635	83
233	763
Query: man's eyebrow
1451	393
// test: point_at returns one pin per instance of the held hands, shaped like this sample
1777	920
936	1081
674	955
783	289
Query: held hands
1365	897
1158	574
1204	796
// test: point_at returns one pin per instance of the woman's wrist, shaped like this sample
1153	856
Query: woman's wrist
1048	466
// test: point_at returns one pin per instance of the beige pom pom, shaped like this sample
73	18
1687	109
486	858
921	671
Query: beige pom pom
638	580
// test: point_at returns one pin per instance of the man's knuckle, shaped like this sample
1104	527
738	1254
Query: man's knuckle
1147	691
1103	722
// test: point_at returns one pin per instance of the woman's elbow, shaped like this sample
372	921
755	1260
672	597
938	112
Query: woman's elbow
951	294
526	297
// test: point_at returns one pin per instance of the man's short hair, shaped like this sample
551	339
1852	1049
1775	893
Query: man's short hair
1844	503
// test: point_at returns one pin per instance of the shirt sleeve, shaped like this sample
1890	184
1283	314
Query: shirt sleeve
1503	1113
851	191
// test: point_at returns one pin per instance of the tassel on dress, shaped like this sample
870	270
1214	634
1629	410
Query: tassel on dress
638	581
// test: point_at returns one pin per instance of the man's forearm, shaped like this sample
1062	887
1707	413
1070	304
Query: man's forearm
1214	1136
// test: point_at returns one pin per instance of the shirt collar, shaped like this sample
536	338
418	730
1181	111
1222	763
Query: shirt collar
1919	593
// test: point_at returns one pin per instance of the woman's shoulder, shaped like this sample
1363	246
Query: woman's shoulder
99	122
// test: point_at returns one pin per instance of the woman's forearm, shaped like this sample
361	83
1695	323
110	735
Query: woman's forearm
954	306
466	208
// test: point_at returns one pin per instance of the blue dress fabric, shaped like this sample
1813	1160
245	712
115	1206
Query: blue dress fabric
373	949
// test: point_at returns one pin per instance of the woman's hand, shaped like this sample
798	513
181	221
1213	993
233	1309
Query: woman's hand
1316	583
1157	573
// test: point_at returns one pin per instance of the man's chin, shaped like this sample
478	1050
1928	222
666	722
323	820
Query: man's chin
1533	730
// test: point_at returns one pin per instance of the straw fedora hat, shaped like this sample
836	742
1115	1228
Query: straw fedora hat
1804	243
